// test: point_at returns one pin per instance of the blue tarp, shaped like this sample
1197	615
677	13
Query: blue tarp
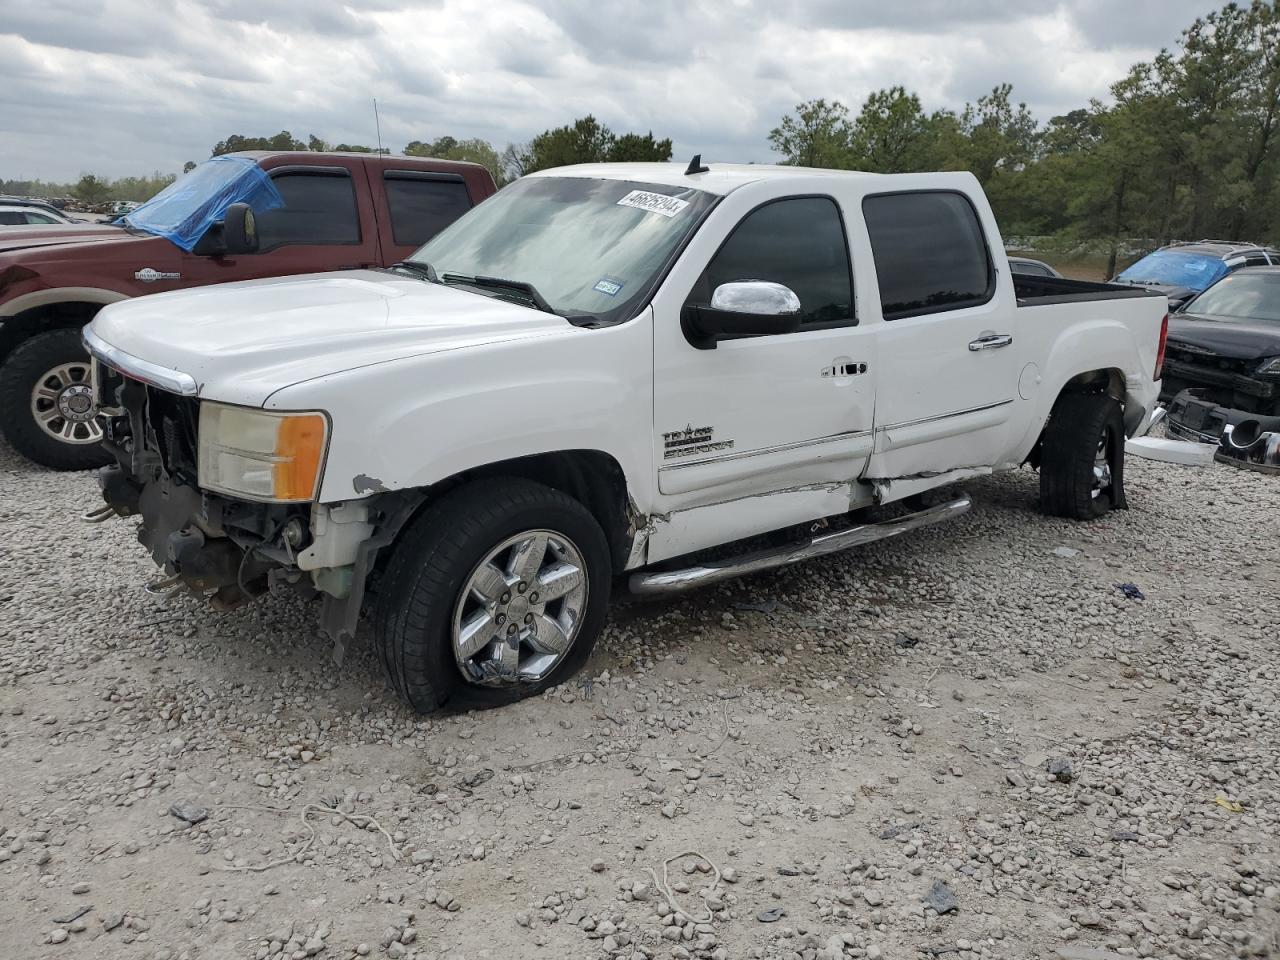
183	211
1196	271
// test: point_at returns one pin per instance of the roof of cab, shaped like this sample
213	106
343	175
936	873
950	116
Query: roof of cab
318	158
720	178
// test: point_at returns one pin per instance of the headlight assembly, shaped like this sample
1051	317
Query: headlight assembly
262	454
1270	368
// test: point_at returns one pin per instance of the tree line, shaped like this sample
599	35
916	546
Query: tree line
1187	150
586	140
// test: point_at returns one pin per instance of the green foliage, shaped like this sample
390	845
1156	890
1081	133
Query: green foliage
638	148
819	134
472	151
586	140
1189	148
91	190
281	141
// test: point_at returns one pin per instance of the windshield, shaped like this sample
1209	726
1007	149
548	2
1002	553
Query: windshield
1192	270
590	248
183	211
1243	296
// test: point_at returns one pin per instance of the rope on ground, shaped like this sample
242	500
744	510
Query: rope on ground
664	888
358	819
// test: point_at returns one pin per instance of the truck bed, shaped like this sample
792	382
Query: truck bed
1041	291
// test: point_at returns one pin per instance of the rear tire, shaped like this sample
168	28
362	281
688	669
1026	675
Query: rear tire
1082	457
43	386
458	620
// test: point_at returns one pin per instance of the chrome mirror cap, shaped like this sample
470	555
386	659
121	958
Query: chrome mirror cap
762	298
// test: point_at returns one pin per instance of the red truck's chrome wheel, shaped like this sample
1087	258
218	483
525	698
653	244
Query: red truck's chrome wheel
62	404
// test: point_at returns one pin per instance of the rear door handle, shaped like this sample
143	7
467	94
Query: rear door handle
992	341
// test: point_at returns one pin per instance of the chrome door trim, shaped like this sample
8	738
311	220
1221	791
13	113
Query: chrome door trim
944	416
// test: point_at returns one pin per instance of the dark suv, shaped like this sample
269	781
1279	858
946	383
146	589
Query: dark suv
1182	270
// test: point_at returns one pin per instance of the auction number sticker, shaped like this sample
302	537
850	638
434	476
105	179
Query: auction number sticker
653	202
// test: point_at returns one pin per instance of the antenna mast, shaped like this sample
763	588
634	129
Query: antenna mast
377	125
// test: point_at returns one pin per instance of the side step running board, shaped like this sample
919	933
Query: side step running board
678	581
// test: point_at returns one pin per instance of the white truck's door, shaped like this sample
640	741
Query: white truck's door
949	358
757	415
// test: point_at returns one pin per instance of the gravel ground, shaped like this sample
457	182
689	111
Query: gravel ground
965	743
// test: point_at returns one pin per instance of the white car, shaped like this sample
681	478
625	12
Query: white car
601	370
27	214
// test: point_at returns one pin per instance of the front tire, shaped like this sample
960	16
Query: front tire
496	592
1082	457
46	403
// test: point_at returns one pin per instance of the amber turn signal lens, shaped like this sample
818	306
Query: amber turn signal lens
300	449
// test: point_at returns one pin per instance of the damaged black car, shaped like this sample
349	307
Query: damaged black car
1222	367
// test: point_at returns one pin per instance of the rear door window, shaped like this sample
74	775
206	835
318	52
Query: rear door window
930	253
319	208
422	205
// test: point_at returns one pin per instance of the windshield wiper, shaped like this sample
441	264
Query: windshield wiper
421	270
498	283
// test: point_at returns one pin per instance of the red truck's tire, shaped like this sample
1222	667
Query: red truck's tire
442	569
1085	432
42	373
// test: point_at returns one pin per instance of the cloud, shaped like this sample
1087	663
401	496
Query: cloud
120	87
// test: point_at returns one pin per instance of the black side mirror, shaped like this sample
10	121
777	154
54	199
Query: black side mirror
239	230
744	308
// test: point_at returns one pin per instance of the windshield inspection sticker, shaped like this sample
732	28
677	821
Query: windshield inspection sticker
609	286
654	203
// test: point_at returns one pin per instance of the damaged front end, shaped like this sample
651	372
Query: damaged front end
1244	437
225	548
1253	444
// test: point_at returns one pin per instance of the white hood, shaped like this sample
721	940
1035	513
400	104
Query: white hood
244	341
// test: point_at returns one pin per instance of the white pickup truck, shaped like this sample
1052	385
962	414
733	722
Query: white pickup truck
605	369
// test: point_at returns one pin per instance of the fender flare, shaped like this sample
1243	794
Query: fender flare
18	323
55	295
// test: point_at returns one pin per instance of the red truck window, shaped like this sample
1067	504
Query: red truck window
319	208
423	204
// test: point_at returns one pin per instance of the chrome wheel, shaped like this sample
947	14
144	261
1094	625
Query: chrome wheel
520	609
62	404
1102	466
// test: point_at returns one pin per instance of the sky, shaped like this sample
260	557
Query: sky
121	87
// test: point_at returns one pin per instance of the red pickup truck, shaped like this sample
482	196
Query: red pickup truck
239	217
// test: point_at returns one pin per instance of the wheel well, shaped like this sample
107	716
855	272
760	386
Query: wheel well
1106	380
592	477
49	316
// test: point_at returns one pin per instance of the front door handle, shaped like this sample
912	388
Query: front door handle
992	341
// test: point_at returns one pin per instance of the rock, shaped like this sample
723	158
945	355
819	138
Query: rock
1060	769
80	888
111	921
597	866
263	779
772	915
940	899
58	936
874	898
190	812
